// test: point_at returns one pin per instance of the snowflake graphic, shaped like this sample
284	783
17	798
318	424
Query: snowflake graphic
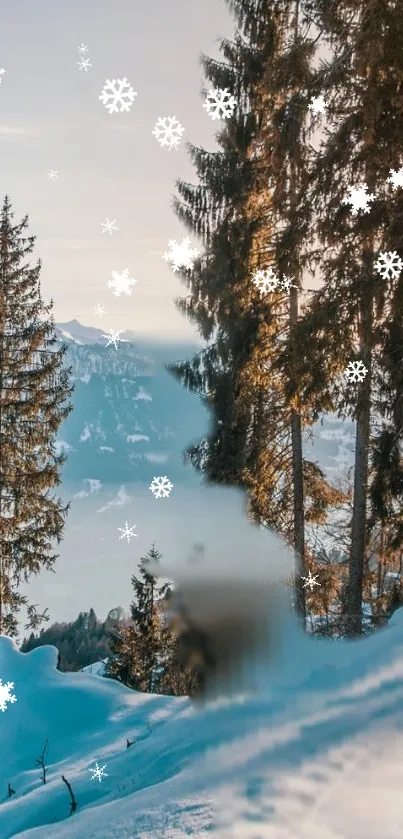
180	254
161	487
6	695
98	772
115	97
220	103
121	283
168	131
266	280
127	532
317	105
53	174
286	284
84	64
109	226
114	338
359	199
389	264
83	49
310	581
2	71
99	310
355	371
396	178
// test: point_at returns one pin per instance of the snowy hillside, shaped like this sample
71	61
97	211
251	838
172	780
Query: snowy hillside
318	754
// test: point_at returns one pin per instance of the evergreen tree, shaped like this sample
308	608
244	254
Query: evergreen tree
247	210
138	652
80	642
357	315
34	389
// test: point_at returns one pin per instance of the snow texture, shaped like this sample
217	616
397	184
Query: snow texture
313	749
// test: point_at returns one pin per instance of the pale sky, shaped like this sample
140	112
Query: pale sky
109	165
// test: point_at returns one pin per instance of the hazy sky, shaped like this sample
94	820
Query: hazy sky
108	165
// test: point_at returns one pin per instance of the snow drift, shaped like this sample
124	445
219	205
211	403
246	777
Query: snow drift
315	752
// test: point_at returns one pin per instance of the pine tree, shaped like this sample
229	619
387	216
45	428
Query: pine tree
138	652
357	315
247	209
34	389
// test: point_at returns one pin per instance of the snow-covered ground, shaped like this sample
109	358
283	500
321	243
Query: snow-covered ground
317	754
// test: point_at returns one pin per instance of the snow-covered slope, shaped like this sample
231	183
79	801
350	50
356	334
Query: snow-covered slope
318	754
96	669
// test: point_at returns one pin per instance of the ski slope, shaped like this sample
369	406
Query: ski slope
316	754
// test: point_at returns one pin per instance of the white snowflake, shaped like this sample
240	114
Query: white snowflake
114	338
389	264
359	199
180	254
310	581
161	487
317	105
355	371
2	71
168	131
128	532
99	310
115	97
396	178
109	226
53	174
121	282
286	284
84	64
220	103
6	695
98	772
265	280
83	49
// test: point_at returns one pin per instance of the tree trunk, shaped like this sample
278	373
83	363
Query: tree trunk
298	486
359	518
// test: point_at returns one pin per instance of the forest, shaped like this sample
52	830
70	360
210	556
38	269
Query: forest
305	189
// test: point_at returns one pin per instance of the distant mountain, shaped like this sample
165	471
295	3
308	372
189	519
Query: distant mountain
132	420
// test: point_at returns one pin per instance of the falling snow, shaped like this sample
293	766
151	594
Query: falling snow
317	105
121	283
127	532
396	178
161	487
99	310
98	772
180	254
53	174
359	199
168	131
6	695
355	371
117	95
84	64
114	338
109	226
389	265
219	103
310	581
266	281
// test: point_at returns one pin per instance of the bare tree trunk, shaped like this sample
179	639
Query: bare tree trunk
359	518
298	486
